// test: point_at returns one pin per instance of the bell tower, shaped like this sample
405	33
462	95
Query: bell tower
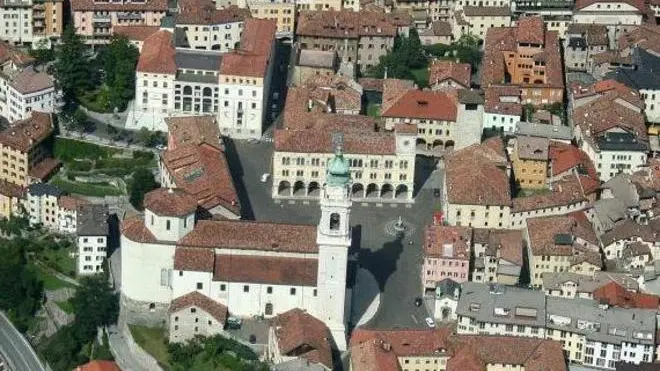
334	239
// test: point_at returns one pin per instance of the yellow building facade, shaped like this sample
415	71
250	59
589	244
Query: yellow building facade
530	162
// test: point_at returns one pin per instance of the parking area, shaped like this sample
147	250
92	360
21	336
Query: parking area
393	260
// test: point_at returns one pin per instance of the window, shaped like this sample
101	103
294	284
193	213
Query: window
269	290
200	286
223	287
246	288
292	291
167	225
334	221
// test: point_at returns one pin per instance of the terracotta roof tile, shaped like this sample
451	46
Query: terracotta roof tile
247	235
98	366
29	81
581	4
595	34
532	148
543	233
158	54
90	5
27	134
567	191
605	113
530	30
466	359
44	168
644	36
509	243
135	33
345	93
254	54
194	259
312	141
299	334
372	355
11	189
345	24
437	236
266	269
503	101
441	70
393	89
629	229
201	301
202	172
134	229
565	157
170	202
204	13
616	295
483	166
71	202
408	342
370	83
421	104
441	28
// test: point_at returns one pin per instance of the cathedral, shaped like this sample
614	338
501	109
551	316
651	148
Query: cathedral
190	274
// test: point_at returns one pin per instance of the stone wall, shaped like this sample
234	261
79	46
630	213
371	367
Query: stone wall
140	313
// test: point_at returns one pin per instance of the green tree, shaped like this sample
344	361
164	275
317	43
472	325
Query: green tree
143	182
119	60
95	304
20	291
406	54
42	52
75	120
72	70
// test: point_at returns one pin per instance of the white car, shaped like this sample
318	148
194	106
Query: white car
264	177
429	322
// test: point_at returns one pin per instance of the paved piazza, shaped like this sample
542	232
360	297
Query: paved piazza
393	261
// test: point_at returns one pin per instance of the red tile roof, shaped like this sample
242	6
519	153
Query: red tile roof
483	166
252	58
248	235
393	89
421	104
158	54
616	295
300	334
581	4
543	231
29	133
530	30
44	168
344	24
134	229
408	342
170	202
202	172
373	355
266	269
495	101
441	70
195	299
565	157
135	33
194	259
194	12
98	366
71	202
313	141
437	236
605	113
567	191
10	189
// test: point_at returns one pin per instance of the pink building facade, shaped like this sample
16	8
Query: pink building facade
95	20
446	254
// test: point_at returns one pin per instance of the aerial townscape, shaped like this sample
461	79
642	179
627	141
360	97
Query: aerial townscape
321	185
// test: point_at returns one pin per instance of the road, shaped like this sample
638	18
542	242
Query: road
394	262
16	349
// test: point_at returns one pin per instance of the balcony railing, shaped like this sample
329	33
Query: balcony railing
101	18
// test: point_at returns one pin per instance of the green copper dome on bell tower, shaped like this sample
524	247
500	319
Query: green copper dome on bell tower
338	172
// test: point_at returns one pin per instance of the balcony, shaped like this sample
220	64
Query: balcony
101	18
38	23
102	31
39	6
38	15
129	16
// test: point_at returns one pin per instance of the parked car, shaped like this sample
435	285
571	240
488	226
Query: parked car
234	323
418	302
161	147
429	322
436	192
264	177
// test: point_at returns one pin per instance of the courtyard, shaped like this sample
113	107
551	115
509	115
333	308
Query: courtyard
393	260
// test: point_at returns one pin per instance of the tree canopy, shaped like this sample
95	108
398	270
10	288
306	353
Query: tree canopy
72	70
465	50
213	353
20	291
118	60
406	54
143	182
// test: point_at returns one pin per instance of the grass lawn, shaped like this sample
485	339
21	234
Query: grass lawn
533	192
153	341
86	189
96	100
67	149
421	76
59	260
50	282
373	110
66	306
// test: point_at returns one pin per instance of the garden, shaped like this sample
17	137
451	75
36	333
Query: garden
94	170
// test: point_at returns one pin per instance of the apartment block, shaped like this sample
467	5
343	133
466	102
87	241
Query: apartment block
92	234
530	162
498	256
446	254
